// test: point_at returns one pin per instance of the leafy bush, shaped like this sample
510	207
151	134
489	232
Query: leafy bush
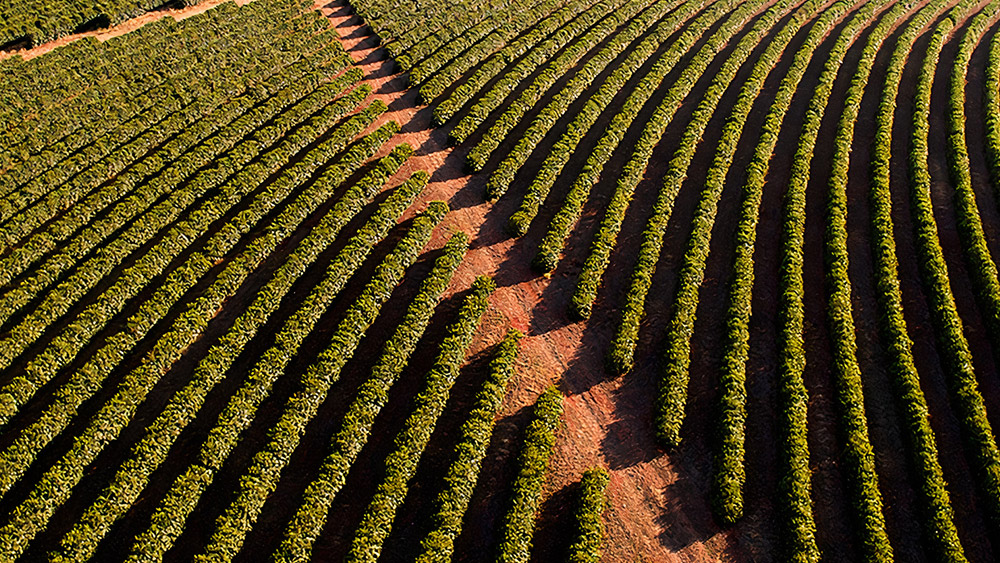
938	515
311	515
429	403
261	478
463	473
533	463
589	540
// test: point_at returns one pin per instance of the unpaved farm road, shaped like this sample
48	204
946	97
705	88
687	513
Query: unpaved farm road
658	510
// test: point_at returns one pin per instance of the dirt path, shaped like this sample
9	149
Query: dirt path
649	518
121	29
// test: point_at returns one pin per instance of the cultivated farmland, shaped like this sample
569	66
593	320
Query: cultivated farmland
467	280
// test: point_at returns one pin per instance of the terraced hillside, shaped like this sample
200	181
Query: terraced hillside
634	280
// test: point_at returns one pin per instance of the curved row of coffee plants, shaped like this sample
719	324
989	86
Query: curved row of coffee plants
859	454
839	307
981	265
672	399
401	464
134	279
798	521
534	49
991	86
560	102
568	46
463	473
304	528
261	478
482	39
589	534
412	46
956	355
533	467
729	475
621	355
922	450
569	213
473	54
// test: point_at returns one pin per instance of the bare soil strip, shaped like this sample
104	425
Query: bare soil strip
658	511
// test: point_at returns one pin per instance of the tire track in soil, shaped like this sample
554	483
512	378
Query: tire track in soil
640	494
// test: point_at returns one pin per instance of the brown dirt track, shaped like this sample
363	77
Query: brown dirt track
657	512
658	502
120	29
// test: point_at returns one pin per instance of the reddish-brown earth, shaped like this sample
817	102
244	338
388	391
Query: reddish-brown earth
658	502
655	513
120	29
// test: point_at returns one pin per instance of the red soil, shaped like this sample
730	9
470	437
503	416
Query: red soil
655	513
120	29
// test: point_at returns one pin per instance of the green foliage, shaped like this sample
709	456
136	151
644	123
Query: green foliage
672	394
463	473
729	474
153	447
534	48
230	190
533	464
64	171
550	114
859	455
620	358
147	92
569	213
441	25
311	515
40	23
795	487
87	380
436	73
133	192
56	484
938	513
261	478
589	535
429	403
982	269
952	344
991	85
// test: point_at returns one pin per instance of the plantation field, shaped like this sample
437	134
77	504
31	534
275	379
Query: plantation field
629	280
